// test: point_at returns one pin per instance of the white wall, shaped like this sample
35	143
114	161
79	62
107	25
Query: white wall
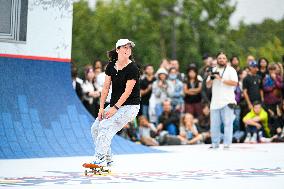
49	31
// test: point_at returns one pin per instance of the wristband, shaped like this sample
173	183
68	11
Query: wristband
116	107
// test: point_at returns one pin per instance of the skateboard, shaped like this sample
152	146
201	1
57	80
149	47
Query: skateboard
95	169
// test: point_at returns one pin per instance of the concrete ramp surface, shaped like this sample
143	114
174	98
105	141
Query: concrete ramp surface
41	116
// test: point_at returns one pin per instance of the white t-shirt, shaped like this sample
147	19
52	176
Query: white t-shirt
223	94
100	83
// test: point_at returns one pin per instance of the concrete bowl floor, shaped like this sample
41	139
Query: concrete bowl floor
242	166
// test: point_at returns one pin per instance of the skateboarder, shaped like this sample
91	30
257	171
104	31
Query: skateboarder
123	75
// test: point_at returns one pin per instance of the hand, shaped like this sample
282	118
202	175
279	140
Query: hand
271	113
160	127
273	76
250	106
94	94
160	84
101	114
111	112
217	76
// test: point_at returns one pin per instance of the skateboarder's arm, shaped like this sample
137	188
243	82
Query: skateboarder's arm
105	91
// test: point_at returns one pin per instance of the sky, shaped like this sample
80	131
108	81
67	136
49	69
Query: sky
255	11
251	11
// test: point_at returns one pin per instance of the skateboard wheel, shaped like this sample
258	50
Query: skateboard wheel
86	173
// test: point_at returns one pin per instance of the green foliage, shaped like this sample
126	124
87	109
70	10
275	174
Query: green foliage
182	29
170	28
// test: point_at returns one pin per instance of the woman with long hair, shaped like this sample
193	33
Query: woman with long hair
262	67
124	106
192	91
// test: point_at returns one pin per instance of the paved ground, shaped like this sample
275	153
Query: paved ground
243	166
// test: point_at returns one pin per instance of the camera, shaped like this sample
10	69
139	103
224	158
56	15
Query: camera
212	76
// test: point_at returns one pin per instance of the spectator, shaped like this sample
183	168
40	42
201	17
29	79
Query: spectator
90	91
98	64
76	82
256	121
145	132
161	90
207	64
129	132
279	70
188	133
279	123
240	112
192	91
250	58
272	85
177	95
146	89
165	64
223	80
203	124
175	64
262	67
100	79
188	130
206	92
235	63
252	86
169	120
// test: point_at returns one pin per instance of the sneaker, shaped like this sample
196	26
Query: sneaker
226	146
260	134
109	160
253	139
214	146
248	138
265	140
162	137
100	161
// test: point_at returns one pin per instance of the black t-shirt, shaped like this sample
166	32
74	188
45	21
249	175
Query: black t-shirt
262	74
119	79
144	83
192	98
253	84
170	118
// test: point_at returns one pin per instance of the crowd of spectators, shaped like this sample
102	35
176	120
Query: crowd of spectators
175	104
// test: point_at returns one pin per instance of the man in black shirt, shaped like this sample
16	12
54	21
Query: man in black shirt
146	89
252	86
169	120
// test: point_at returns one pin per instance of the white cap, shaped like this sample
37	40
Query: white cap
161	71
122	42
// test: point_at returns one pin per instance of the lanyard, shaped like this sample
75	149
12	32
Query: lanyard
223	72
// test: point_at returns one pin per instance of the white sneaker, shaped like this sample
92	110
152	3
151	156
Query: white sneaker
109	160
226	146
100	161
253	139
265	140
248	138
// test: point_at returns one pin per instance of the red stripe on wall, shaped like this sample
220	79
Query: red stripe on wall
36	57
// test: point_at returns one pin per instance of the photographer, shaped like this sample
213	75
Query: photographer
223	80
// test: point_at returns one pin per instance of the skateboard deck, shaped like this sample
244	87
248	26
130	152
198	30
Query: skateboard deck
95	169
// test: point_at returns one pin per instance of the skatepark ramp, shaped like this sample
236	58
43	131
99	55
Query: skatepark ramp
40	114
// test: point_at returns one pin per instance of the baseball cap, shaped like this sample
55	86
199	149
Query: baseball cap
122	42
253	64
